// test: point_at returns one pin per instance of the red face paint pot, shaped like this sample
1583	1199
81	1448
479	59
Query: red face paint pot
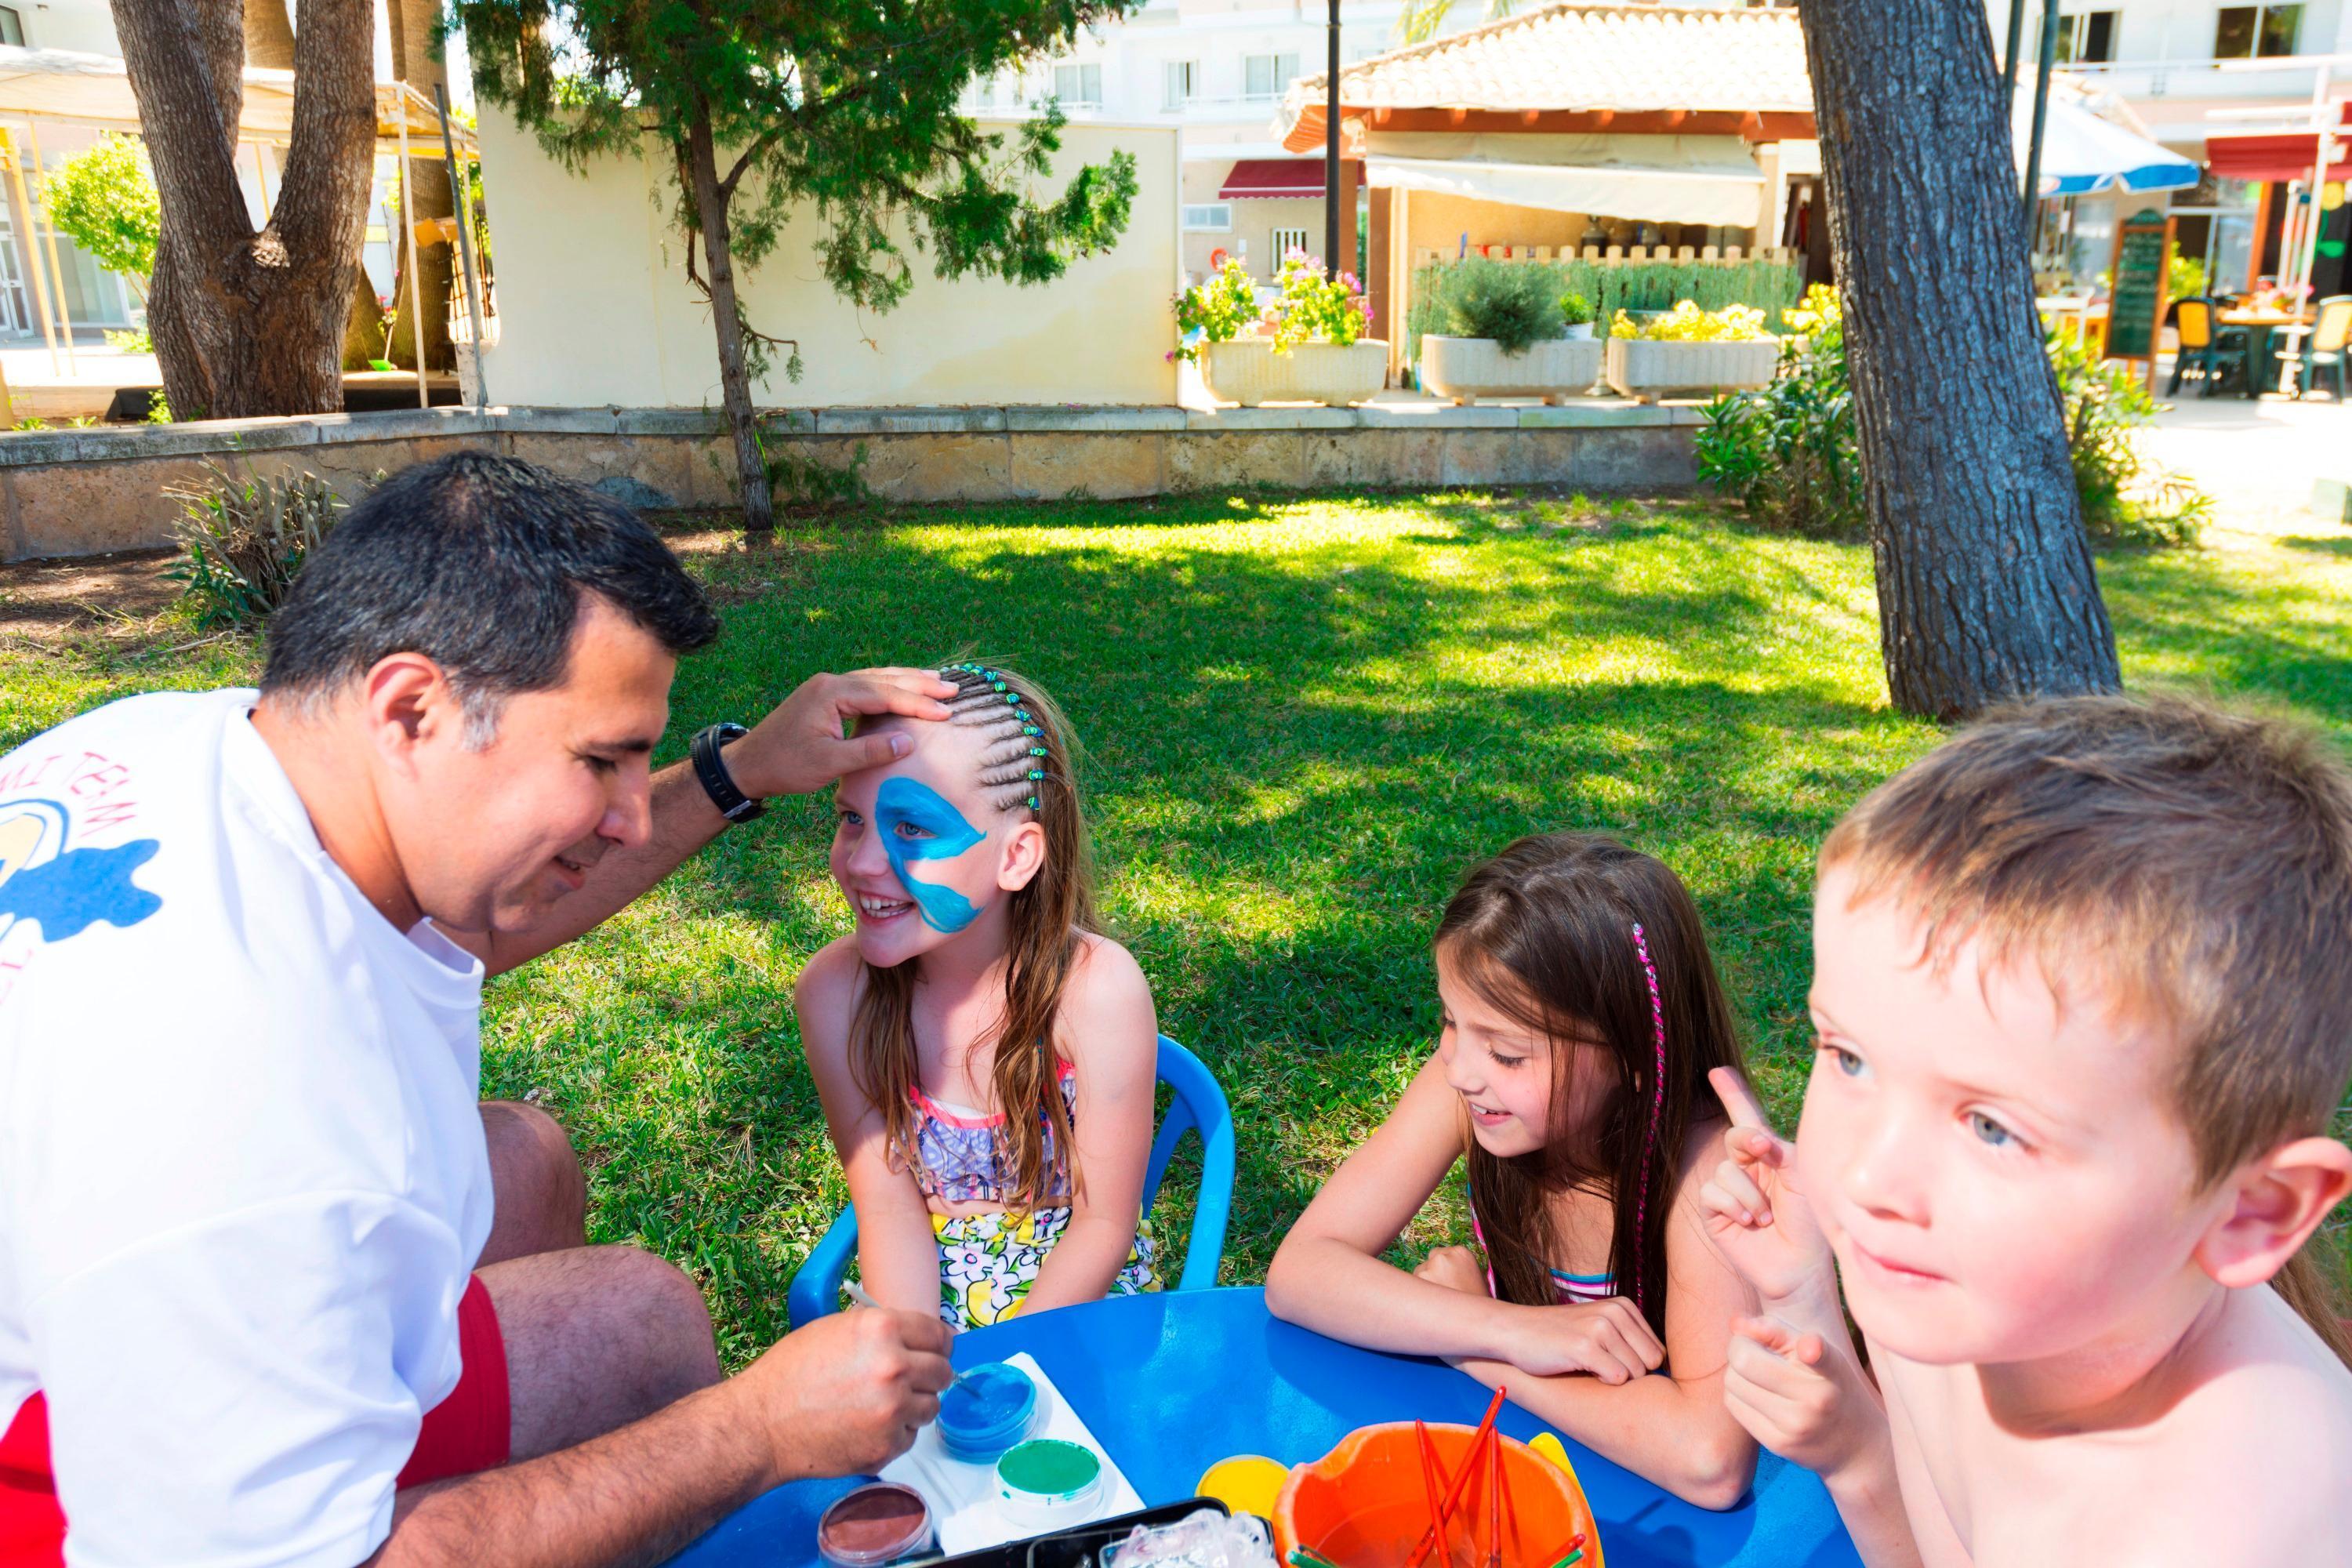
876	1524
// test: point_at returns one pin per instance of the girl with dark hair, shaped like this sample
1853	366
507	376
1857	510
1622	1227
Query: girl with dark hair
1581	1015
986	1059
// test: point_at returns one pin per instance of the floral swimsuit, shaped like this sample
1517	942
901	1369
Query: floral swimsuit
987	1262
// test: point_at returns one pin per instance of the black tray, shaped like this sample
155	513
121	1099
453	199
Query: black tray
1074	1547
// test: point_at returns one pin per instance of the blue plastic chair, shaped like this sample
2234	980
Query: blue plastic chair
1199	1105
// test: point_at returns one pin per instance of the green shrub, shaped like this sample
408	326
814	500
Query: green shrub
1515	303
2126	501
243	540
134	341
1771	287
1791	455
1575	309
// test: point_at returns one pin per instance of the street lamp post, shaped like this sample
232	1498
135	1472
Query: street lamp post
1331	146
2040	119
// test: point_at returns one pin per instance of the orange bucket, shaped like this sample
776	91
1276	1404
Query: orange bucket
1363	1504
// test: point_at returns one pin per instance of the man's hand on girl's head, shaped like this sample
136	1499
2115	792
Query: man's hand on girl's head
801	747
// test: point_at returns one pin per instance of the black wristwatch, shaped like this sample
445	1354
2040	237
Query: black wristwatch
717	782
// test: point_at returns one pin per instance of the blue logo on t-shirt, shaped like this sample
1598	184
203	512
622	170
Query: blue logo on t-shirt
66	891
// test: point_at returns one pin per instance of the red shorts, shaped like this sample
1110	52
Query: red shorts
467	1432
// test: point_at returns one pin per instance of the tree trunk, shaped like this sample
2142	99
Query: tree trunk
1986	587
268	36
424	190
249	322
270	43
734	378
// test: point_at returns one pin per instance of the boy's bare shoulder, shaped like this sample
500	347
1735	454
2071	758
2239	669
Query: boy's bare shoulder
2260	1447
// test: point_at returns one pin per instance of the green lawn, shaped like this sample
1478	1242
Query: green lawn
1306	717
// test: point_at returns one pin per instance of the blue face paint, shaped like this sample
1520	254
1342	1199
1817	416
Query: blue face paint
943	834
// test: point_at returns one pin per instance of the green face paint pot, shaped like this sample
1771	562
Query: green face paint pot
1048	1482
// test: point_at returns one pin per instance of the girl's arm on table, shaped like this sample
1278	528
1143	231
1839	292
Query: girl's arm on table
1111	1034
1672	1427
897	1257
1328	1274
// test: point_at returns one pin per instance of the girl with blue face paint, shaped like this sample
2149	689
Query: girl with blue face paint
984	1056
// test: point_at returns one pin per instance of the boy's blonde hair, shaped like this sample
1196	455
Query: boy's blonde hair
2195	863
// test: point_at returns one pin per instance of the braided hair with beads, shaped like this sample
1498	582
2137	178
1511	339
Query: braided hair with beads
1025	769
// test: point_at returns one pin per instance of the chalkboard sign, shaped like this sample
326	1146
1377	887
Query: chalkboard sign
2135	308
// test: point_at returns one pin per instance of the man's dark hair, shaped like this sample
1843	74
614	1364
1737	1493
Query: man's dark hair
479	562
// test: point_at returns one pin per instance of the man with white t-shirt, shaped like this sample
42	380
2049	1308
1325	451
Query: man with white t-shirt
274	1287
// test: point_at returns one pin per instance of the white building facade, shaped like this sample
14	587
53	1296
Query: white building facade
1218	69
2192	69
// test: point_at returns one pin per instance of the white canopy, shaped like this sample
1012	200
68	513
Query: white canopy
1667	179
95	90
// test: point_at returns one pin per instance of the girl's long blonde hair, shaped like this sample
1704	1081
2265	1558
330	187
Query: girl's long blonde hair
1048	919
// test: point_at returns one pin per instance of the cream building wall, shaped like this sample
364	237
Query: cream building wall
595	305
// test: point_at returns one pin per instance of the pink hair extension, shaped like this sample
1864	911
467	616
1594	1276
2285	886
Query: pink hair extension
1658	1107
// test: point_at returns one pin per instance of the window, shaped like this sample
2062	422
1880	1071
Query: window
1183	80
2244	32
2086	38
1213	218
1286	240
1078	84
12	26
983	94
1265	76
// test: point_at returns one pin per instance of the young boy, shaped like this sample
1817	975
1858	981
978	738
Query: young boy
2083	993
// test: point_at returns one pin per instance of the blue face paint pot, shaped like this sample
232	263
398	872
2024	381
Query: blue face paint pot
918	824
987	1413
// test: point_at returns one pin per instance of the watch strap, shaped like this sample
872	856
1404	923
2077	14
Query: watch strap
717	782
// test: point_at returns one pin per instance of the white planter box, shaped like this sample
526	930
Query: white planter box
1640	367
1467	369
1248	372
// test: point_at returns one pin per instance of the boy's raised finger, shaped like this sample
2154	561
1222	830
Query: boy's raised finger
1740	1101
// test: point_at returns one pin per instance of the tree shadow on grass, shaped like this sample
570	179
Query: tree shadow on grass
1302	732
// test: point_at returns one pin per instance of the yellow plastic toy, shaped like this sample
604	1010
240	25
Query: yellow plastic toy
1247	1483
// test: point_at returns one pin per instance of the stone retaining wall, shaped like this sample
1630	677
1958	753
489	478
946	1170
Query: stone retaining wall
85	493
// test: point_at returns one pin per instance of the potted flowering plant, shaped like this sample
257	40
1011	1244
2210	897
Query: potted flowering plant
1691	352
1308	345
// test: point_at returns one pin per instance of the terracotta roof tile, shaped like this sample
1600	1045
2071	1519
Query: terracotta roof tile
1625	56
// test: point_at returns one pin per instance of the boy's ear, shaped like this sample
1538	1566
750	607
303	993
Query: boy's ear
2276	1201
1024	856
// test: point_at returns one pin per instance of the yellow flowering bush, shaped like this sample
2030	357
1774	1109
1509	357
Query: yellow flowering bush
1686	323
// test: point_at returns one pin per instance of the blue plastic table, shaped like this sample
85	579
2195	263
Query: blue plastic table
1171	1384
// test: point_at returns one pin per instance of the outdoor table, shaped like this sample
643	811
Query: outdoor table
2261	326
1170	1384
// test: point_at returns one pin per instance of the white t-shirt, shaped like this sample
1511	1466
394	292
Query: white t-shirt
243	1180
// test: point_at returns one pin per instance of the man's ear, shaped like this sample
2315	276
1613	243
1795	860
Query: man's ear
409	705
1024	856
2275	1202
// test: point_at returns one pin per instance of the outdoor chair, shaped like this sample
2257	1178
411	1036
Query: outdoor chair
2214	352
2329	331
1198	1105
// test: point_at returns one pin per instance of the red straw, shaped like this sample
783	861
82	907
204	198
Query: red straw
1493	1502
1429	1476
1453	1490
